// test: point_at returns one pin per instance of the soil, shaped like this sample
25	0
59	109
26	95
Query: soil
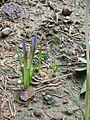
63	41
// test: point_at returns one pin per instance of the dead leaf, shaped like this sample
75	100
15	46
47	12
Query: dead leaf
27	94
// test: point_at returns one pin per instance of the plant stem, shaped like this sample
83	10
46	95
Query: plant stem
87	96
88	56
25	68
40	56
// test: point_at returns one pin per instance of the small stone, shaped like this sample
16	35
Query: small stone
66	12
6	31
19	81
65	101
43	93
61	17
48	99
11	11
66	29
67	17
77	22
20	46
65	21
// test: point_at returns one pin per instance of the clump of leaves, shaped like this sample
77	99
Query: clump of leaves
27	69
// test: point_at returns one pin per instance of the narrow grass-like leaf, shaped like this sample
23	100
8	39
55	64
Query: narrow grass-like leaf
83	60
83	89
26	83
87	96
25	63
81	68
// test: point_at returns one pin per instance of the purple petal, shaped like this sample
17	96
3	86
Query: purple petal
34	41
24	47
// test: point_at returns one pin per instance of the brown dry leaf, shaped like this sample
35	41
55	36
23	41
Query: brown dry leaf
26	95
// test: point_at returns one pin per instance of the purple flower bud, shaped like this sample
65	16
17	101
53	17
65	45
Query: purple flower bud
24	47
34	42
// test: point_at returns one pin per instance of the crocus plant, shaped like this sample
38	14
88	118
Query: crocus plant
27	68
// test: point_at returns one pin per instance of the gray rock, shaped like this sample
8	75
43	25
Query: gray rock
48	99
6	31
61	17
66	12
11	11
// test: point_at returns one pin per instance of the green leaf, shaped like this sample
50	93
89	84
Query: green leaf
83	89
27	81
83	60
81	68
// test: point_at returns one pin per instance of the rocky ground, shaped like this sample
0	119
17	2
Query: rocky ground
61	26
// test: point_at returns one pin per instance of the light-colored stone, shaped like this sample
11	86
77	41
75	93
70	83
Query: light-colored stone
6	31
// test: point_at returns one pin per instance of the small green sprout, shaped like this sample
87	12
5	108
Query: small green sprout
54	67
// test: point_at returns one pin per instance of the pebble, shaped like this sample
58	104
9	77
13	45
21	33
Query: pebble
5	32
67	17
61	17
65	21
66	29
11	11
19	81
48	99
20	46
66	12
77	22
